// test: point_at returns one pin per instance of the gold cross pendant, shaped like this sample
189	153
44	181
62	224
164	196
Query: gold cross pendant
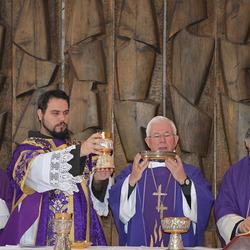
160	209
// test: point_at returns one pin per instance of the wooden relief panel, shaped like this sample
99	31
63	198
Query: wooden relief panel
237	121
191	64
85	20
137	44
134	78
237	21
193	125
33	71
85	62
2	40
132	118
191	59
84	107
137	22
235	60
235	84
31	33
185	13
5	88
88	61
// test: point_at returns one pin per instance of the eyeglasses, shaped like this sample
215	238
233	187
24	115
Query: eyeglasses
158	136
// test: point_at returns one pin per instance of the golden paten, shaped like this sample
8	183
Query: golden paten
157	155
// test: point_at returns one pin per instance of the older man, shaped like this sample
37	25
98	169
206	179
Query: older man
232	205
146	191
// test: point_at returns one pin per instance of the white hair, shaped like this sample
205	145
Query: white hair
158	119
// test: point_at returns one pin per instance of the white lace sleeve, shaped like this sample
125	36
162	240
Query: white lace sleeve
100	207
50	171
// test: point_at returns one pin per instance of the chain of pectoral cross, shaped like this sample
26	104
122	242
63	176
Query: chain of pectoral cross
160	206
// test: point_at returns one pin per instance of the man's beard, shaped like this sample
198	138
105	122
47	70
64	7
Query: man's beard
65	134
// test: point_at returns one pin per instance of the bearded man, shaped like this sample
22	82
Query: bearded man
51	173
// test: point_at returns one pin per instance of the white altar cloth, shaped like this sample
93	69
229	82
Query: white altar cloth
102	248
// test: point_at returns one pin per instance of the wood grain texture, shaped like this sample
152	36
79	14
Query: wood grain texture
236	118
237	21
191	59
132	118
235	62
31	73
3	120
31	33
84	107
88	61
194	126
2	40
86	20
138	22
135	62
185	13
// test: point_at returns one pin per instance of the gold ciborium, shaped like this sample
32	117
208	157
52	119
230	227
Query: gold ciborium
105	160
62	223
175	226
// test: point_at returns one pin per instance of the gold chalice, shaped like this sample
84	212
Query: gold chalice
107	143
175	226
105	161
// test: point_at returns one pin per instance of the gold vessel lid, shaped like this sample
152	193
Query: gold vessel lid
63	216
157	155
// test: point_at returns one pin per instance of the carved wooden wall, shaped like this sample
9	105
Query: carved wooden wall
125	61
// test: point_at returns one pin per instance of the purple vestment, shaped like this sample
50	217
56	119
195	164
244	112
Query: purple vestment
42	206
5	192
144	226
234	193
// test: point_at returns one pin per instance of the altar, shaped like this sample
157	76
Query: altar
103	248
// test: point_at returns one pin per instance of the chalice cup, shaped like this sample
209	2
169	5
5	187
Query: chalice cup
175	226
62	224
104	161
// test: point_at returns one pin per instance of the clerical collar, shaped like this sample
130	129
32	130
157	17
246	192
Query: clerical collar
156	164
40	135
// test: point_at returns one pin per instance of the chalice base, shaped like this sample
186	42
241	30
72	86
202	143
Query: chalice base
175	242
62	243
104	162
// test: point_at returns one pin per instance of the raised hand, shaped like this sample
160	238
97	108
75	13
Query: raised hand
244	226
137	170
176	168
92	145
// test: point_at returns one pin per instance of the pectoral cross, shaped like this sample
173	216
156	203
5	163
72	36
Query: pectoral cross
160	207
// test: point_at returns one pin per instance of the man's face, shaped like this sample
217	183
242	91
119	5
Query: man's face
54	122
248	145
161	137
